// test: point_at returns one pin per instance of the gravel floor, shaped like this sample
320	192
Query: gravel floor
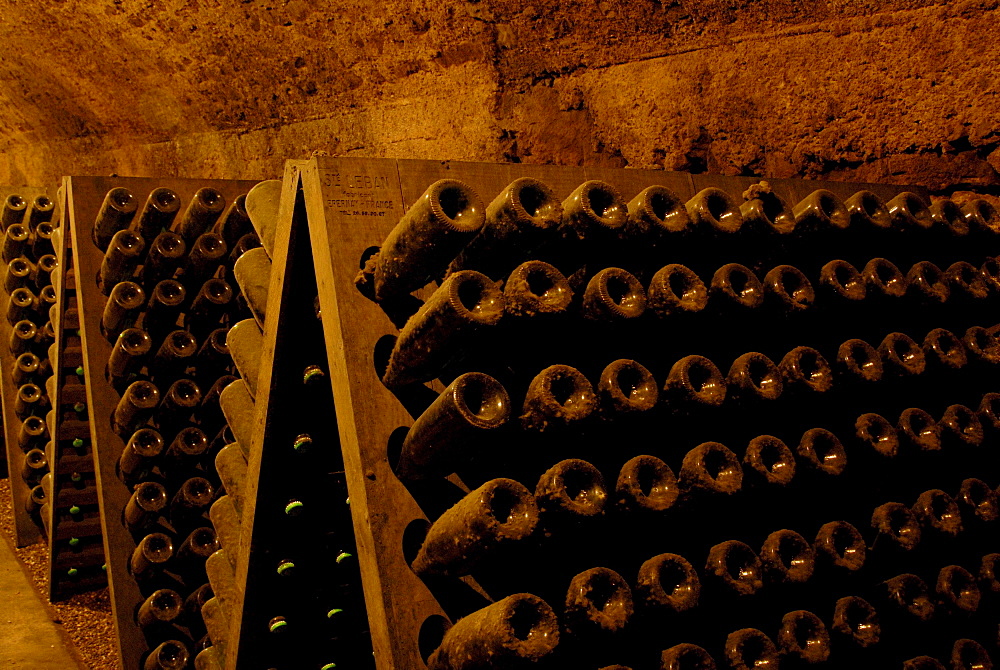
86	617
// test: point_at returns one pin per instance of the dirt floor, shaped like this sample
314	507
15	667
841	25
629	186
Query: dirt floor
37	635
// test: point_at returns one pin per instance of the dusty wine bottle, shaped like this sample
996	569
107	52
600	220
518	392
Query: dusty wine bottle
968	654
536	288
657	217
804	370
146	505
124	254
803	638
753	377
599	602
202	212
856	621
668	583
162	607
22	336
34	465
18	274
821	212
966	283
982	218
909	213
710	469
750	649
949	223
957	591
943	351
164	308
196	548
498	513
465	304
169	655
978	502
868	213
177	406
918	431
207	253
897	524
231	466
840	545
15	240
593	215
520	220
157	214
12	211
427	238
140	454
960	427
734	567
787	290
927	284
29	400
572	489
151	555
613	295
26	367
557	398
885	283
787	558
32	433
234	222
122	309
467	412
128	356
939	513
901	356
191	500
42	271
766	214
166	252
23	304
209	306
676	291
821	451
841	285
694	382
735	290
185	450
712	211
115	214
521	628
210	414
768	462
646	484
626	388
686	656
41	242
982	347
174	356
135	407
909	594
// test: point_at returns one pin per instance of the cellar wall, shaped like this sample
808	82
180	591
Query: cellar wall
902	91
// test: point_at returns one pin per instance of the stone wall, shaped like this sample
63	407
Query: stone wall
901	91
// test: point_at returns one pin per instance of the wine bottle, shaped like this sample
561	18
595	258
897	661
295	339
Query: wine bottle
842	289
613	295
520	220
626	388
169	655
989	413
909	213
140	454
668	583
427	238
646	484
675	291
788	291
465	304
927	285
749	648
768	217
12	211
878	436
128	356
918	431
157	214
243	245
982	218
978	502
923	663
967	285
162	607
593	220
178	404
115	214
22	336
27	367
990	271
193	605
840	545
32	433
897	525
557	398
787	558
122	309
34	465
598	602
734	291
191	500
909	594
886	285
226	521
821	216
22	305
983	349
37	497
151	556
174	356
960	427
803	638
146	505
45	336
185	451
957	591
207	253
968	654
536	289
856	622
41	272
18	274
768	462
234	222
694	382
821	451
135	407
15	240
901	356
29	400
939	513
202	212
686	656
805	371
714	213
735	568
869	216
41	241
521	628
166	252
753	377
164	308
572	489
724	477
200	543
469	411
949	224
124	253
658	223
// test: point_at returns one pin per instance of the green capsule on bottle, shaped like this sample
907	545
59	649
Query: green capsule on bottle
276	624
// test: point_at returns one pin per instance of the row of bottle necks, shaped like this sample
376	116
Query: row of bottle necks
448	229
26	211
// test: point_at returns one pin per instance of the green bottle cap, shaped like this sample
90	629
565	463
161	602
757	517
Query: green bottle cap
312	372
329	666
332	613
76	477
286	568
74	541
72	572
79	371
79	407
348	501
276	624
74	510
78	443
302	444
343	556
104	567
294	508
79	333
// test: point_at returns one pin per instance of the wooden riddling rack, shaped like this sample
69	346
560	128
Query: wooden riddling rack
28	524
85	196
352	204
296	598
76	547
